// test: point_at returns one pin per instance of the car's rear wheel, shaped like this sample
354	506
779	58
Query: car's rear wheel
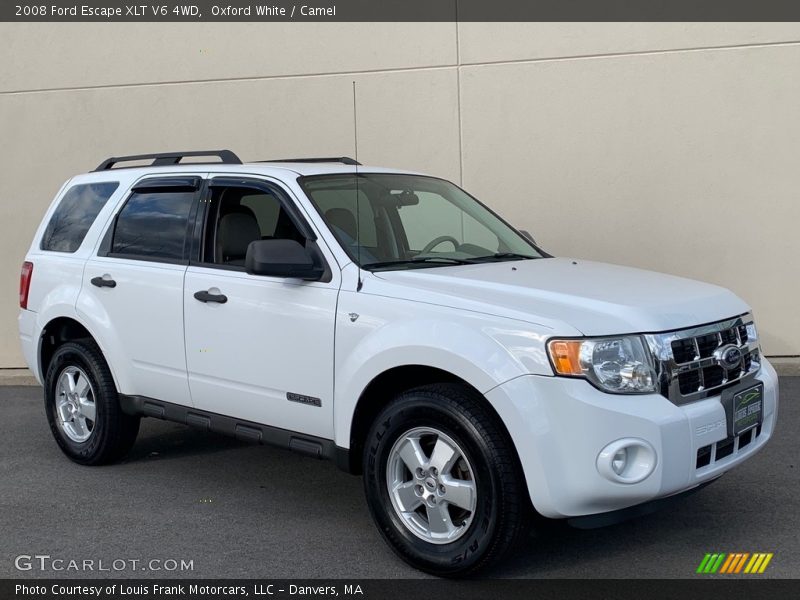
82	406
443	482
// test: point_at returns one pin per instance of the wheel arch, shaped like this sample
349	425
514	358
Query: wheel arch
57	332
403	354
382	390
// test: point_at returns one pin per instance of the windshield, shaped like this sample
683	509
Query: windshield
412	221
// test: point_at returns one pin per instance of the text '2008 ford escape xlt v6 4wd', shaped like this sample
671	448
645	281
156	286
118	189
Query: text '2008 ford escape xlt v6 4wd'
390	322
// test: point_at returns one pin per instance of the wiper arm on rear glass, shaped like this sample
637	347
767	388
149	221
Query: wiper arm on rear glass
502	256
443	260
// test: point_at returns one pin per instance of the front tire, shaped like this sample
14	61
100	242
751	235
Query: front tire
82	406
443	482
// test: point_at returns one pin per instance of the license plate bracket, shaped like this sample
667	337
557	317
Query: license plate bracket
744	408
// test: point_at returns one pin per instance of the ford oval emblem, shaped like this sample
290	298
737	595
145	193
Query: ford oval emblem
729	357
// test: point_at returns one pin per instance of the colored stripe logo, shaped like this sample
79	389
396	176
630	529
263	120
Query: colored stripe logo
734	563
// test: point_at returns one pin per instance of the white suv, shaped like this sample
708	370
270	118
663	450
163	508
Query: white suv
392	323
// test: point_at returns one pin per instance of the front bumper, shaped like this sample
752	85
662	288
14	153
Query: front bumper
559	427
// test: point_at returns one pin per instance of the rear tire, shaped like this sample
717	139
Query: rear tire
82	406
464	515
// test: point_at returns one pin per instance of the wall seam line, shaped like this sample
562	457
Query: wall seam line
253	78
390	70
458	110
666	51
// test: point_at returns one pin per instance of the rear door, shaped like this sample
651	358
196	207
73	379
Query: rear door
259	348
133	287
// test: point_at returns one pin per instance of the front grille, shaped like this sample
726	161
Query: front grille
724	449
695	363
689	382
729	336
706	344
684	350
718	451
743	333
712	377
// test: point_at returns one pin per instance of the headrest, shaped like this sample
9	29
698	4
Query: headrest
342	219
236	231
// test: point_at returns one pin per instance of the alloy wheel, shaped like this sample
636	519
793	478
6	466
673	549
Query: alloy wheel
76	411
431	485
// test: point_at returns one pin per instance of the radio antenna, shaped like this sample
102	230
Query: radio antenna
358	212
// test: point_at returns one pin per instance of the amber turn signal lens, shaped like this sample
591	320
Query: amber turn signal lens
566	356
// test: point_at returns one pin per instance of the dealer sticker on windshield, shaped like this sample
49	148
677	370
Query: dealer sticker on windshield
747	408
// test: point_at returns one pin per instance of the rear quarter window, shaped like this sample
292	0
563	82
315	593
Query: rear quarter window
74	216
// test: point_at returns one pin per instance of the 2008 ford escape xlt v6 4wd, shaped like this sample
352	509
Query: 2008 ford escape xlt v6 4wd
390	322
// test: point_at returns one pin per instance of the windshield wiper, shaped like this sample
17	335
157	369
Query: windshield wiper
498	256
444	260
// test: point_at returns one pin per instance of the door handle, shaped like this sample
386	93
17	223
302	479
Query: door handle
103	282
206	296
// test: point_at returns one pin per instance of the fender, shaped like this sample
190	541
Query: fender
482	355
96	320
55	292
68	311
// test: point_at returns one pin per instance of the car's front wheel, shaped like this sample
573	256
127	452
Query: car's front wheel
82	406
443	482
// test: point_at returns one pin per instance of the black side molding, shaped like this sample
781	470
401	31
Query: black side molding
244	430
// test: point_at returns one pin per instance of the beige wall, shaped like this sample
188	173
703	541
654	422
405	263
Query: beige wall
667	146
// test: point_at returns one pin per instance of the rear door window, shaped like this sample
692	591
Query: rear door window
75	214
154	225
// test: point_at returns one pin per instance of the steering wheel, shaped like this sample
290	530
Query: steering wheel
440	240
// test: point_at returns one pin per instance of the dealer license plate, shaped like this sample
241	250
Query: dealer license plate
748	407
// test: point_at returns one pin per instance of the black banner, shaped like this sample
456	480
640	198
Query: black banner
403	589
398	10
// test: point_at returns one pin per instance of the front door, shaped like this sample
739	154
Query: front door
258	348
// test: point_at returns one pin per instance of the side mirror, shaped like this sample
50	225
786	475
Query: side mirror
527	236
281	258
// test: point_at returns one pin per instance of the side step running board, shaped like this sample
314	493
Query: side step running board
244	430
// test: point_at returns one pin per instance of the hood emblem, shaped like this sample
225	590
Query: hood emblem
729	357
353	317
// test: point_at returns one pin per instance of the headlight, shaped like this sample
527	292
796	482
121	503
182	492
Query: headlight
618	365
752	338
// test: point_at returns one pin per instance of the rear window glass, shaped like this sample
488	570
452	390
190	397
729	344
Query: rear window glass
154	225
74	216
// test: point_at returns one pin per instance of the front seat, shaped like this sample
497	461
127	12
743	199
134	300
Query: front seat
343	220
344	226
285	229
234	234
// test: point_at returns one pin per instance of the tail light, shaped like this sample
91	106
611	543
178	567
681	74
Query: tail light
25	283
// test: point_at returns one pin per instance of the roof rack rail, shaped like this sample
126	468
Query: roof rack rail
170	158
345	160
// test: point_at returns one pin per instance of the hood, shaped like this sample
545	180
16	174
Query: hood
593	298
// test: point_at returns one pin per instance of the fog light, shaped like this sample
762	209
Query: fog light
619	461
629	460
